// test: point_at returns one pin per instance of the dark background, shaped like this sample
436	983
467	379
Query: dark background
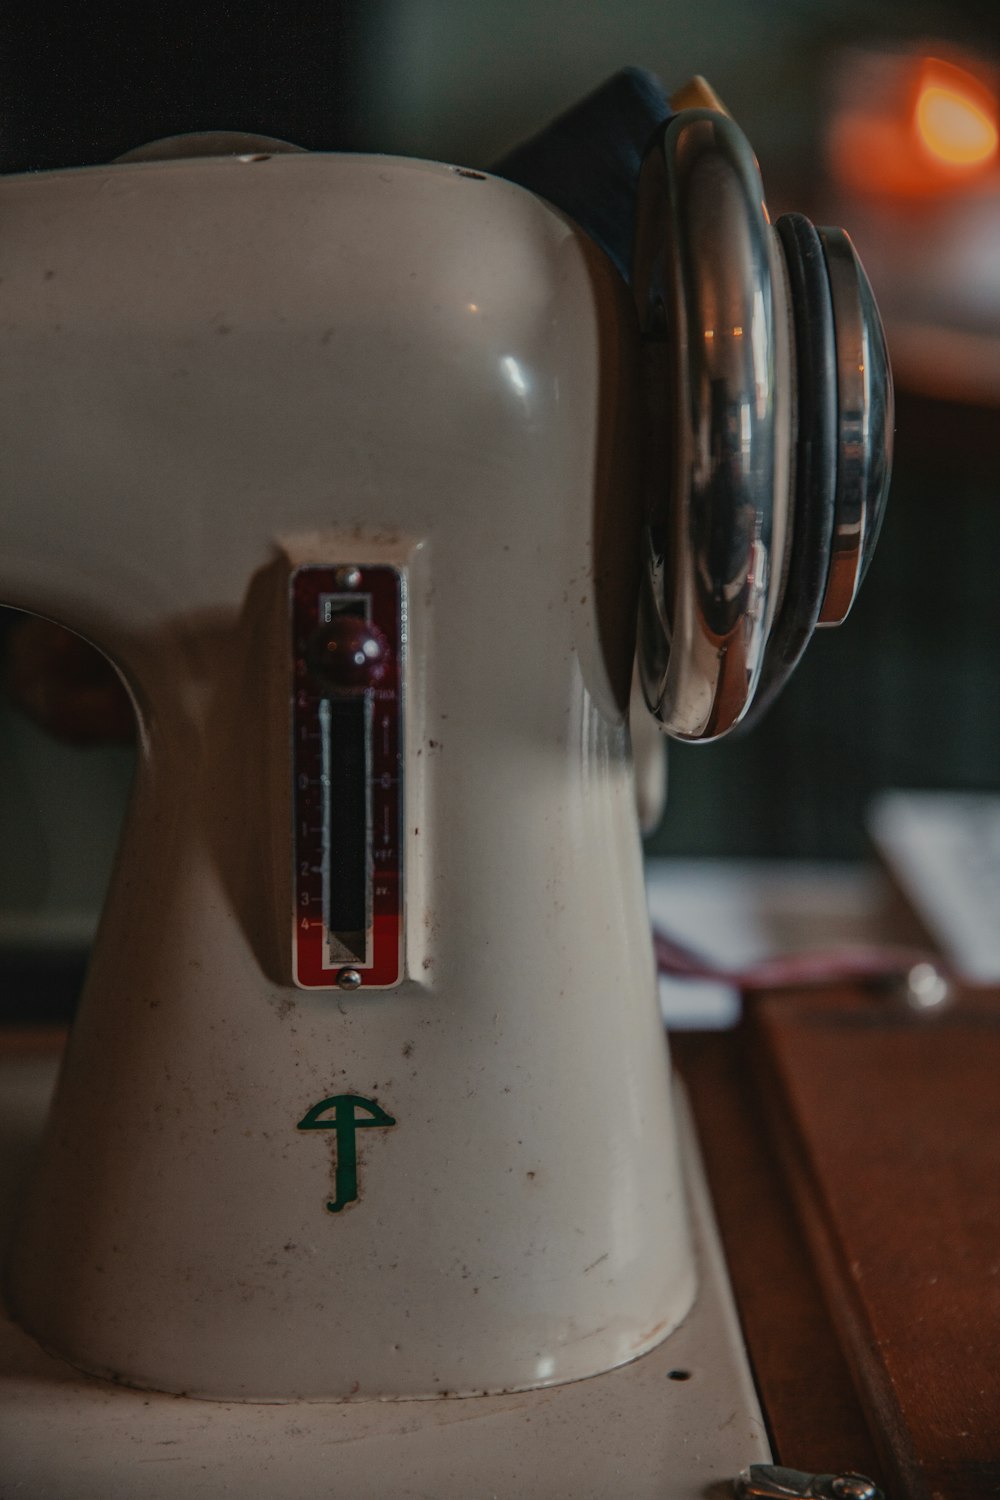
439	78
83	84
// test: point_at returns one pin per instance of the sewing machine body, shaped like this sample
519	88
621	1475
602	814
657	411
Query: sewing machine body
224	371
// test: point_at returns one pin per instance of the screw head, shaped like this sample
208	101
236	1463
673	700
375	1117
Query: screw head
349	979
926	987
853	1487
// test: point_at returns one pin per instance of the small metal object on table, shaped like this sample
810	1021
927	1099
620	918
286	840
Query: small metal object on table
771	1482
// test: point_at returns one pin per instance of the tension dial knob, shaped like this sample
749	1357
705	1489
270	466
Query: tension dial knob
348	655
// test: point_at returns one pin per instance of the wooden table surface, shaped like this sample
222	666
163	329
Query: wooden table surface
853	1152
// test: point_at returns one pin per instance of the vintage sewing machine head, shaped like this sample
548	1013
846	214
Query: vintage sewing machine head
357	469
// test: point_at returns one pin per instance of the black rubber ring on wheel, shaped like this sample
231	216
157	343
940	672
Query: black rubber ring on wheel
815	460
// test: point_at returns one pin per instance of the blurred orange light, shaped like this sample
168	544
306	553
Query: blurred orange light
953	126
917	127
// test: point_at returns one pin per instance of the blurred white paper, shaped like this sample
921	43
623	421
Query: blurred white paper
943	849
735	913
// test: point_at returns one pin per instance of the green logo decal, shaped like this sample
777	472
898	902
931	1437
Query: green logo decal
350	1113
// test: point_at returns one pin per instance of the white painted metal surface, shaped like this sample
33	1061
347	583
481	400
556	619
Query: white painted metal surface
635	1432
215	370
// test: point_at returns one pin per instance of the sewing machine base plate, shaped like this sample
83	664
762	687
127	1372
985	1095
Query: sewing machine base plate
678	1424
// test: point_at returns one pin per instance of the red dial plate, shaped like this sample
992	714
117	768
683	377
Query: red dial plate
347	788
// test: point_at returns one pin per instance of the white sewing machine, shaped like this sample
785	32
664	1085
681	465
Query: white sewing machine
363	1175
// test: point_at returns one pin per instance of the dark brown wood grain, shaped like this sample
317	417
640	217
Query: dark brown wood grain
888	1131
815	1420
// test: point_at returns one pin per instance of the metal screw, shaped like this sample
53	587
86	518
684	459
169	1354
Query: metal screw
853	1487
349	979
348	578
